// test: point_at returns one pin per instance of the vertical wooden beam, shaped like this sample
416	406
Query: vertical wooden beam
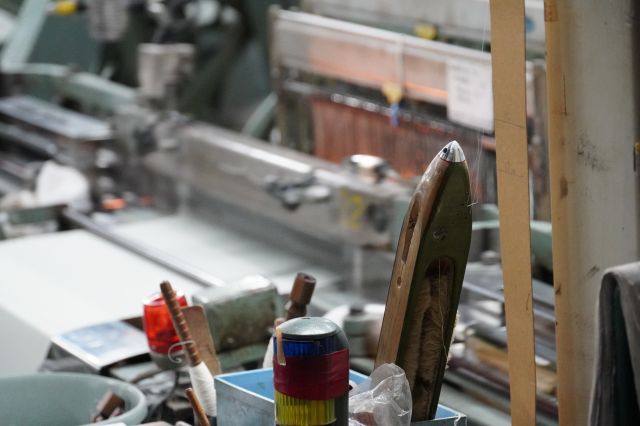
509	100
559	172
594	110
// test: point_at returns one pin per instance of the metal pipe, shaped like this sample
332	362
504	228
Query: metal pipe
196	275
34	142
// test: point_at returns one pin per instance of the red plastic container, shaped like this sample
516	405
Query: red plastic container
158	326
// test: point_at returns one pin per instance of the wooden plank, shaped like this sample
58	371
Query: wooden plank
489	354
199	326
509	97
559	178
593	124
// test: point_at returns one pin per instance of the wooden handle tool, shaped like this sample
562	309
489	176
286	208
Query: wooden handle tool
300	296
180	324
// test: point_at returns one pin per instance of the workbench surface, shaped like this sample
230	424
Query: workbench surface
58	282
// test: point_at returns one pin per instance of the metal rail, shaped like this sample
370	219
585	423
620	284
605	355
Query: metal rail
468	19
196	275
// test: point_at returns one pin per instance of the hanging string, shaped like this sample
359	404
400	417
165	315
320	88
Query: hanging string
394	90
475	192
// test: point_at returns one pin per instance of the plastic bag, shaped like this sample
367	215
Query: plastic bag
55	184
384	399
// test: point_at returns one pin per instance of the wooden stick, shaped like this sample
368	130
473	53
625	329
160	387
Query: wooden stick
197	407
573	384
509	100
180	324
496	357
559	174
300	296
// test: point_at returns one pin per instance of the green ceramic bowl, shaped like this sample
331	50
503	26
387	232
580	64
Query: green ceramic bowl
64	399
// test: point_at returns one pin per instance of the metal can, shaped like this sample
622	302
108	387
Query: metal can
311	381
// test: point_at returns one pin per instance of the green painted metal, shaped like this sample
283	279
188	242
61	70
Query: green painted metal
240	318
20	46
207	84
540	235
49	53
92	91
262	118
11	6
64	40
40	37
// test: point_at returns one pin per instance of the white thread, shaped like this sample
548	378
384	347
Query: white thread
400	77
202	382
476	184
268	356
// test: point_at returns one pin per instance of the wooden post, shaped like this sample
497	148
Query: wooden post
509	100
595	207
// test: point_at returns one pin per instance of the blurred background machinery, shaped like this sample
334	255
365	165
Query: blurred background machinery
213	140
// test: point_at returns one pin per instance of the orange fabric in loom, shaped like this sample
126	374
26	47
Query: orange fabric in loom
340	131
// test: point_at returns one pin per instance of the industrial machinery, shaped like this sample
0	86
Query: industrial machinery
335	81
321	175
457	21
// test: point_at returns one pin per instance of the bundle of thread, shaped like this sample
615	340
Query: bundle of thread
311	373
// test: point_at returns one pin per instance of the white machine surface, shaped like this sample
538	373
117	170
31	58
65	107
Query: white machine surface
224	253
59	282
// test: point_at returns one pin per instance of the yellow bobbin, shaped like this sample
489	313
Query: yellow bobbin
426	31
65	7
393	92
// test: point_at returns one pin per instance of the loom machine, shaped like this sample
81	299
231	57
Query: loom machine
345	88
327	163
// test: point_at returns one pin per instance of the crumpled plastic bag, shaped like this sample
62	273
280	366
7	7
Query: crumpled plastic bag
55	184
384	399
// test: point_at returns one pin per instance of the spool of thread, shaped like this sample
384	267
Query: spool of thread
311	373
201	378
202	382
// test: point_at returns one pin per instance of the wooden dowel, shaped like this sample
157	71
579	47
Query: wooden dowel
197	407
300	296
180	324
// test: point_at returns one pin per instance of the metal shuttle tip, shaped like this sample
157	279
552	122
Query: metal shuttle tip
452	153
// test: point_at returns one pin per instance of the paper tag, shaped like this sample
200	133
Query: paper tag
470	94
